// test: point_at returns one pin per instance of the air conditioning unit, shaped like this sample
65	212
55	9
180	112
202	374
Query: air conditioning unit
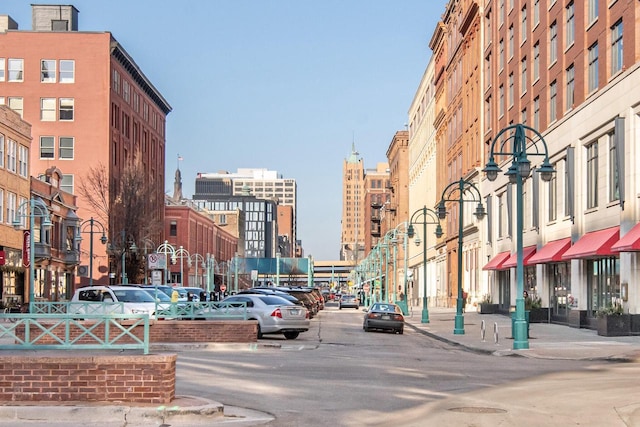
83	271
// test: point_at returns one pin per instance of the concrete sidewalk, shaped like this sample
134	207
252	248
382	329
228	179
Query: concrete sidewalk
547	341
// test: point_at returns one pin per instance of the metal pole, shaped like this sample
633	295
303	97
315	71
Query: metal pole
520	338
425	300
32	259
459	320
91	252
125	280
406	295
277	268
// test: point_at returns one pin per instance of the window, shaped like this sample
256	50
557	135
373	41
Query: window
116	81
593	67
536	12
523	116
12	151
126	91
67	70
16	104
173	229
614	183
2	207
570	30
616	48
553	43
511	83
511	42
66	109
66	147
523	75
487	70
46	147
501	54
553	195
571	74
501	216
1	150
523	24
536	113
48	71
553	92
592	175
501	101
66	184
592	11
487	111
2	70
48	109
16	69
23	161
11	209
501	11
536	61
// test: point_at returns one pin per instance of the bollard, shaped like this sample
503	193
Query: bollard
495	332
482	330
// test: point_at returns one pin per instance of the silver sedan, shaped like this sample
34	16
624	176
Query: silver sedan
385	316
275	315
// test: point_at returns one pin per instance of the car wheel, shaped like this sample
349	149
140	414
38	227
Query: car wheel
339	307
400	331
291	335
259	331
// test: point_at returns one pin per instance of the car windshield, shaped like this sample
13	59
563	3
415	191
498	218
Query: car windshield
133	295
348	297
383	307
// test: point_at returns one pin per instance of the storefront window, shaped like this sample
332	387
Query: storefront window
560	283
603	283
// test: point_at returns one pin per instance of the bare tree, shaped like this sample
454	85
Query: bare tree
129	205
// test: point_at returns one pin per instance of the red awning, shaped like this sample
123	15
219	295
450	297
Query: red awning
551	252
630	242
496	262
526	254
594	244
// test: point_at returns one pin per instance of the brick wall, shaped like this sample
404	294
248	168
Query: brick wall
88	378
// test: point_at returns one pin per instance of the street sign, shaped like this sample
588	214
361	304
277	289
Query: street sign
156	277
156	261
223	288
366	287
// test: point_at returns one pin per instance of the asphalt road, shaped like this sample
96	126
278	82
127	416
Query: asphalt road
338	375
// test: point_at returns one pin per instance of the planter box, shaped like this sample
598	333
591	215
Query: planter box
487	308
615	325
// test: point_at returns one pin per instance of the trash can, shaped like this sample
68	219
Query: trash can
513	321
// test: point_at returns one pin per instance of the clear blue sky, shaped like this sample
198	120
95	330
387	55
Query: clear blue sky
285	85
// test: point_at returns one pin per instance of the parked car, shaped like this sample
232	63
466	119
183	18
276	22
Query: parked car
272	291
383	316
275	315
189	293
306	297
134	299
348	301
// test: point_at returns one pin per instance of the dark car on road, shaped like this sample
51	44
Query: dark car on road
383	316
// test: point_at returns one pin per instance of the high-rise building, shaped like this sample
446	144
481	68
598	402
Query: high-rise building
352	240
262	184
92	109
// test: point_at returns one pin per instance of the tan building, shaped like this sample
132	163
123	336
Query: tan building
93	112
377	195
352	237
15	137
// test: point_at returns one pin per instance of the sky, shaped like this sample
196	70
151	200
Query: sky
284	85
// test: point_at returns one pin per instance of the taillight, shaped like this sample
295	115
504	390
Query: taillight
373	315
306	314
277	313
398	317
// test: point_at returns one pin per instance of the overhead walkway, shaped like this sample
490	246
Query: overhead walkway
332	271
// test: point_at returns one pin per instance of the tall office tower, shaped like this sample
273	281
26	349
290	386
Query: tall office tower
262	184
93	113
353	224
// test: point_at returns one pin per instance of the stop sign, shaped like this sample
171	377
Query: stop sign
223	288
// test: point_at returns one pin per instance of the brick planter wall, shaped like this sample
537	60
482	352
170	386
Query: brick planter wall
67	377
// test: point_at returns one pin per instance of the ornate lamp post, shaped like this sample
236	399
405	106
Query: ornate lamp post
181	253
394	241
91	222
424	216
37	209
512	142
460	187
195	258
167	249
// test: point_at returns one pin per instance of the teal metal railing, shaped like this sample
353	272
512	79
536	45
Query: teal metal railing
63	331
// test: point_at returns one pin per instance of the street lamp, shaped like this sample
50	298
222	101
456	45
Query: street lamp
514	145
91	222
147	245
167	249
37	209
462	187
195	258
428	217
394	241
181	253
